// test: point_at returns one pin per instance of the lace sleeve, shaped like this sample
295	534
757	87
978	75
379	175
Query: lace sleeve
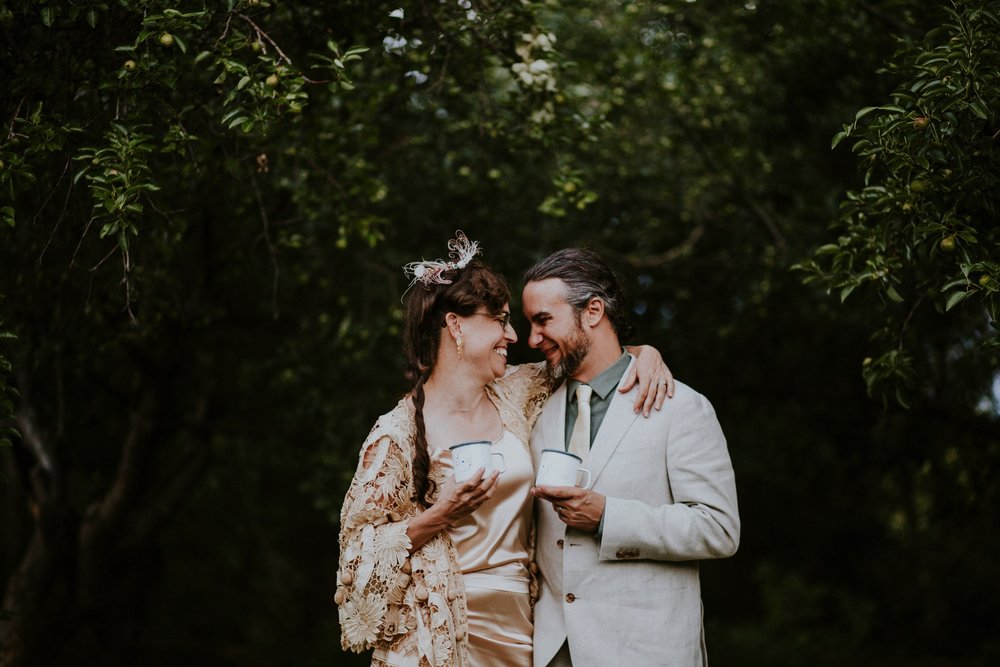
374	567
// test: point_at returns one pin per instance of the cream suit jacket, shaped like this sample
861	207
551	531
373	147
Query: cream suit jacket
632	597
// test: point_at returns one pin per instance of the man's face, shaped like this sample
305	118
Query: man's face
555	327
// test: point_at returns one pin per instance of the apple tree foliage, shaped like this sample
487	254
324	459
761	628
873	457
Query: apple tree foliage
921	238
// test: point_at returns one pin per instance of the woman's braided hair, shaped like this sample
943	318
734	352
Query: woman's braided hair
473	287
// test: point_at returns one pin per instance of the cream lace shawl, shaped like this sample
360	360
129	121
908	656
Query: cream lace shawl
411	609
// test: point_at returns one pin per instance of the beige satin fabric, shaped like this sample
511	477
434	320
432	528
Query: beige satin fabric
499	627
492	545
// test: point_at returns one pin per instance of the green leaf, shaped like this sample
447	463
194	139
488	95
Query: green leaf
48	16
955	299
864	111
979	108
891	292
233	113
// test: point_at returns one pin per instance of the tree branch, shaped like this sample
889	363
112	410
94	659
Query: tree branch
168	498
106	514
33	439
41	472
653	261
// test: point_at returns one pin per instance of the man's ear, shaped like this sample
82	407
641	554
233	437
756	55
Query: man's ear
593	311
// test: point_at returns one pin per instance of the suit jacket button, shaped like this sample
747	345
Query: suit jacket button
559	543
570	597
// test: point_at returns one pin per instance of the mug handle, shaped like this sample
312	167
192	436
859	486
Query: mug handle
503	464
586	485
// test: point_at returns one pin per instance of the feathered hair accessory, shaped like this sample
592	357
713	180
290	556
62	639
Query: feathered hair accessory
461	251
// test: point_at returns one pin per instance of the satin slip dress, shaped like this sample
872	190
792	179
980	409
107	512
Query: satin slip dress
492	545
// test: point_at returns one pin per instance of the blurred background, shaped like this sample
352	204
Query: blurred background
204	212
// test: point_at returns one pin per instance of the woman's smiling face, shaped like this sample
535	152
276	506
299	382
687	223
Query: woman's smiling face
485	338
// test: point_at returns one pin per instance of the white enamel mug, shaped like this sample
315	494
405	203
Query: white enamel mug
468	457
559	468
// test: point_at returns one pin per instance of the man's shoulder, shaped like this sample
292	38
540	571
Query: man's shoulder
686	392
688	399
685	399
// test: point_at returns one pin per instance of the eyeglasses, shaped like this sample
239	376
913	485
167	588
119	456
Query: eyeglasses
503	318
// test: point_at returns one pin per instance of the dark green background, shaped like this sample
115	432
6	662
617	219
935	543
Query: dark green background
258	338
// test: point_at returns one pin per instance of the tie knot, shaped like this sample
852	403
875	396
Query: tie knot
583	392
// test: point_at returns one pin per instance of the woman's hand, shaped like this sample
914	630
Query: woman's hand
655	380
458	500
455	502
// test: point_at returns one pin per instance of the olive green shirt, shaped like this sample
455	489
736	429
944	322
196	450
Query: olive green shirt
604	386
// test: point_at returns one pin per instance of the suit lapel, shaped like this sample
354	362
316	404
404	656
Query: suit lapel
554	421
617	421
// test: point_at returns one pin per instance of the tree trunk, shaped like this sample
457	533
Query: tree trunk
40	597
73	597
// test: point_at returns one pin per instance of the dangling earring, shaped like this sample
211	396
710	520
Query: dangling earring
459	345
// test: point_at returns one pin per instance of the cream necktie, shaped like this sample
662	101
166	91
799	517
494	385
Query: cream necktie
579	439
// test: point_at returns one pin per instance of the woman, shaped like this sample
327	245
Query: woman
433	572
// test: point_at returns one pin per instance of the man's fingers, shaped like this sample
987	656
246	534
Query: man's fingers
557	493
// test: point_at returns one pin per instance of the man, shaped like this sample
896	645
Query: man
618	562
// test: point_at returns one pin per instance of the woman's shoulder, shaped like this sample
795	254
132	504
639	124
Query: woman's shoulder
396	424
523	376
520	393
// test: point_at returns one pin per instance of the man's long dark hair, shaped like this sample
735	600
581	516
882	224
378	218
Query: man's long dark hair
587	275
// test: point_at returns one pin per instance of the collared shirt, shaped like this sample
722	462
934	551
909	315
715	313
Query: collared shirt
604	386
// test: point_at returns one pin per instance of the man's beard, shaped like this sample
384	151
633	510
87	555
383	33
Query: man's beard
575	351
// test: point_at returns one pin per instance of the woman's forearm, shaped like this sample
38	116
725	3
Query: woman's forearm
424	526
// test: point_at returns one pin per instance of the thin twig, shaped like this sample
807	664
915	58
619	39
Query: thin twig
225	31
272	251
103	259
909	316
261	33
72	261
281	54
13	118
62	213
